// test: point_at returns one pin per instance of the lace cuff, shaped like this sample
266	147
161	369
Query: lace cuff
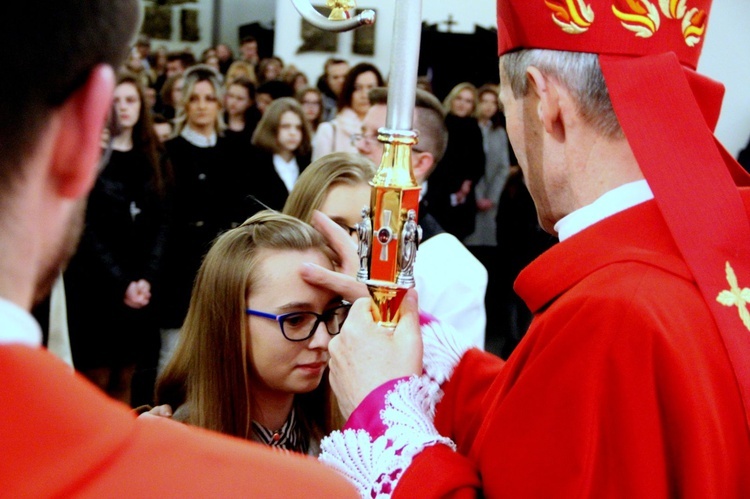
376	466
374	461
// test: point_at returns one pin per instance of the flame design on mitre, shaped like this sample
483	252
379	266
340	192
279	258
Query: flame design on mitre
693	26
639	16
673	9
573	16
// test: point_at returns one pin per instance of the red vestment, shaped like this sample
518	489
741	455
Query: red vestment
61	437
622	386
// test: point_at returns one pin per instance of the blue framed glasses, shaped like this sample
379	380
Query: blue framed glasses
299	326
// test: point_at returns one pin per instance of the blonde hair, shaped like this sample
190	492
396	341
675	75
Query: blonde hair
448	102
313	184
192	76
267	131
241	69
210	368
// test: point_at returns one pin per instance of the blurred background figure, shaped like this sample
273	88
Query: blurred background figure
353	104
331	83
451	190
311	100
241	114
111	280
281	153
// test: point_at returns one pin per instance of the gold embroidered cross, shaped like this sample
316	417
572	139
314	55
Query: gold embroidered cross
736	297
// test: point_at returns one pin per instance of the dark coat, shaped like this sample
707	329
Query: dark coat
265	184
463	160
205	203
123	241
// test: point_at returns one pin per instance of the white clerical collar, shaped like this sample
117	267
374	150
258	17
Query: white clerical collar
288	170
198	139
17	326
617	200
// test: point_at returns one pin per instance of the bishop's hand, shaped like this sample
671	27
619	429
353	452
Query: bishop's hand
366	355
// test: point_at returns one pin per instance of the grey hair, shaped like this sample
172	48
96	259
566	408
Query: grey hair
579	72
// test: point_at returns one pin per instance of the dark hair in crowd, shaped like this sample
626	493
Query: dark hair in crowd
345	99
48	53
144	136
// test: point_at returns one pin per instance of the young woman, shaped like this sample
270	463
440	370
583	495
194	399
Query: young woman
353	104
110	280
282	151
311	100
205	190
338	185
241	114
254	367
451	192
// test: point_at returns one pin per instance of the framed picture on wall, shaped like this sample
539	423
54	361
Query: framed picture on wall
189	27
157	22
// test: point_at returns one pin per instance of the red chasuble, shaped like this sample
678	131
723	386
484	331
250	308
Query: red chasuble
622	386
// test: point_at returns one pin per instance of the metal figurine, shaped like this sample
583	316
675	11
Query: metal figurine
411	236
394	203
364	235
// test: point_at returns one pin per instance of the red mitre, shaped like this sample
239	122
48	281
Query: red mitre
648	50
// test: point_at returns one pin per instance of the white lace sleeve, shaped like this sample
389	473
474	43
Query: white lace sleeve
408	414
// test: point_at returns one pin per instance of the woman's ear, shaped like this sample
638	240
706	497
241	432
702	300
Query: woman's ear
77	146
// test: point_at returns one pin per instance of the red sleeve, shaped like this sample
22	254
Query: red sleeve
438	471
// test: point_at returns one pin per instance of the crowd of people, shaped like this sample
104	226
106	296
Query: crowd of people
199	145
215	276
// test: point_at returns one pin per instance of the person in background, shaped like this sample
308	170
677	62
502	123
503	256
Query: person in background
204	195
311	100
111	279
282	152
241	69
255	367
331	83
66	438
162	128
484	240
249	50
241	114
226	57
171	96
353	103
295	78
270	69
451	194
269	91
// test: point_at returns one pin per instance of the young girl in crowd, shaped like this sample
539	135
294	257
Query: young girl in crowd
353	104
282	151
110	280
241	114
254	367
311	100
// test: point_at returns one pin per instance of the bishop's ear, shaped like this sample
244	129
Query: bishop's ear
547	99
78	142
